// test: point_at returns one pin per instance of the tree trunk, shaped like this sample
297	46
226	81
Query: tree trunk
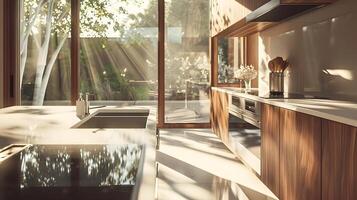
42	57
49	68
25	33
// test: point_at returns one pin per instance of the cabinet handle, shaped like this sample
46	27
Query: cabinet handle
12	86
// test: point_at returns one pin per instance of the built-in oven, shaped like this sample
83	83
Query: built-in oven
246	109
244	130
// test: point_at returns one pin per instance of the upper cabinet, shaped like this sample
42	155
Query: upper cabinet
228	12
265	15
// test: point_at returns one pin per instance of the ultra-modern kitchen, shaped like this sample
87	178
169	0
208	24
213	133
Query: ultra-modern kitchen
178	99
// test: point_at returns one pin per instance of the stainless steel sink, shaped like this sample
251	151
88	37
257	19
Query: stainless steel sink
120	118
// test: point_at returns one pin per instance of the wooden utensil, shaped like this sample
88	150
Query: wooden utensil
285	65
278	64
271	65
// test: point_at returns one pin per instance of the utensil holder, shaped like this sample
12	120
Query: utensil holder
276	83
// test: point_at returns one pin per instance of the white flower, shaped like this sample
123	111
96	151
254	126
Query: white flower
245	72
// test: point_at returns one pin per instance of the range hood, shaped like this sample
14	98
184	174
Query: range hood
278	10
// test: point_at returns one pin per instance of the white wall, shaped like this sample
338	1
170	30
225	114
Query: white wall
1	52
322	48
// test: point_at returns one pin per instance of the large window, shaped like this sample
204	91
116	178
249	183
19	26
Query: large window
45	27
118	50
231	55
187	66
117	54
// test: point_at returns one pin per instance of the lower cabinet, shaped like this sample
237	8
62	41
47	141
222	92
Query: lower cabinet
269	152
300	156
339	161
291	153
219	114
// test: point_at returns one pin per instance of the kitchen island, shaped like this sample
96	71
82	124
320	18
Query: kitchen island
53	125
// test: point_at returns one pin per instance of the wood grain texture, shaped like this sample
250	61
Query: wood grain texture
214	61
300	156
253	55
243	28
219	115
227	12
270	147
11	49
75	48
339	161
161	64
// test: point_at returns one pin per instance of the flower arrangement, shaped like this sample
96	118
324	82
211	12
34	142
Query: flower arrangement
245	73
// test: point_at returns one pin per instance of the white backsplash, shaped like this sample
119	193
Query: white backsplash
321	46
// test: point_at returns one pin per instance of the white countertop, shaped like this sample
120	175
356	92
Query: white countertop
340	111
52	125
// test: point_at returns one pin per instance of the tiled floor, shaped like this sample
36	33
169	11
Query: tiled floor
194	164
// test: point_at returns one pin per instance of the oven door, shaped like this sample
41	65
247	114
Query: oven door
244	133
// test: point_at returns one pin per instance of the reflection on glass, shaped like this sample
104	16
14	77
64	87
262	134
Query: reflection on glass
118	52
109	165
90	165
45	51
43	166
231	55
187	67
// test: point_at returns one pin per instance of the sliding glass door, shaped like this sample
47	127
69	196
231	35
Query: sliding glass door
187	65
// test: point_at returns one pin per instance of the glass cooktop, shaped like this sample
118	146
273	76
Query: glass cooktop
59	172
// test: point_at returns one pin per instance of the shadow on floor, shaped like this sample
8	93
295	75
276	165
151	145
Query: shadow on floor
219	188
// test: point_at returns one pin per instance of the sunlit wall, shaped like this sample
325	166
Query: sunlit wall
321	47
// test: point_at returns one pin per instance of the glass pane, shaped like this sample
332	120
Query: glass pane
45	64
230	57
118	54
187	67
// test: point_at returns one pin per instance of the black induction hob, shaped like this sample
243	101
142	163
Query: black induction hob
59	172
